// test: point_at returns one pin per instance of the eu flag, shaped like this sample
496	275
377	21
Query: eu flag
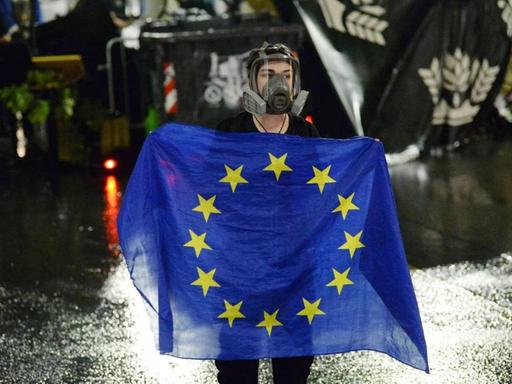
247	246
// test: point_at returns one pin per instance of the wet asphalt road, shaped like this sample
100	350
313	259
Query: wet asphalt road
69	314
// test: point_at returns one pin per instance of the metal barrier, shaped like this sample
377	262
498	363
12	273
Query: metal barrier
110	73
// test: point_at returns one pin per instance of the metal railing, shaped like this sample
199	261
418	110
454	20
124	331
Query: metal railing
110	73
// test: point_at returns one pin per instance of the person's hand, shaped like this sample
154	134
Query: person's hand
7	38
119	22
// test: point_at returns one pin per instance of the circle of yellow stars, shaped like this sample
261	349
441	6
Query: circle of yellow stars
206	206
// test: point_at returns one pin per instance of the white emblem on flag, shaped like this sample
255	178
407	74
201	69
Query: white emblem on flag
506	14
467	81
364	22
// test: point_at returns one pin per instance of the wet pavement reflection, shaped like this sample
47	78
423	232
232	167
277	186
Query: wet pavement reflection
457	207
69	313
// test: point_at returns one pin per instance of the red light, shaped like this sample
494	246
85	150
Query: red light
112	196
309	119
110	164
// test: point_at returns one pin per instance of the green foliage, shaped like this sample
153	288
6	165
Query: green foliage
16	98
67	102
32	97
45	79
39	112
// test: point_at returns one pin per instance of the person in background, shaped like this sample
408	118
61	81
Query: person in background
8	25
272	102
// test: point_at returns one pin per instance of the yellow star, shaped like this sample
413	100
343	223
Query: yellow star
346	205
352	243
205	280
270	321
206	207
233	177
340	280
197	242
321	178
311	309
277	165
232	312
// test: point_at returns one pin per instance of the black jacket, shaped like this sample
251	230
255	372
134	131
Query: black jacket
244	123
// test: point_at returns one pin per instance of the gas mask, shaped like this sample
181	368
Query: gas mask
277	95
274	83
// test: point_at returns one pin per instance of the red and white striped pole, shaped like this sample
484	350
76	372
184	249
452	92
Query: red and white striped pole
170	91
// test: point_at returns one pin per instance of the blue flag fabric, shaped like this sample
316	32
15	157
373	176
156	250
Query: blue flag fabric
249	245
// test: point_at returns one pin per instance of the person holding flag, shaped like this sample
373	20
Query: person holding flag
282	245
272	101
272	97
